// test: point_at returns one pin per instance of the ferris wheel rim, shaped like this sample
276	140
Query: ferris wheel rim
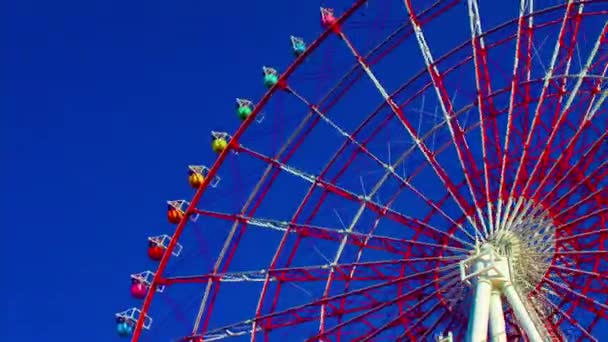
219	161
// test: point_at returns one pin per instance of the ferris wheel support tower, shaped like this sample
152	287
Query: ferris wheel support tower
489	272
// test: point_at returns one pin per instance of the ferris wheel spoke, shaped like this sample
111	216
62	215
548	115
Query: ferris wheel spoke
322	326
439	171
359	254
346	135
559	287
361	299
378	242
389	168
393	301
572	190
429	230
441	148
557	309
485	103
524	29
582	254
384	270
582	235
597	143
589	252
458	138
343	80
296	137
312	188
594	148
583	218
367	239
595	275
344	237
443	177
420	301
363	124
581	201
591	195
573	94
589	115
539	106
584	260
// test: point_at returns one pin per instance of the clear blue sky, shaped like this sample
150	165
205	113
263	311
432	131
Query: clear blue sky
103	105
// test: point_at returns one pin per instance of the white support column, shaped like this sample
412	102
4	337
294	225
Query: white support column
446	338
498	331
521	313
480	306
490	275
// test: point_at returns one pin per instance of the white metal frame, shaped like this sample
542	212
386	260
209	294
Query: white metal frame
163	241
132	315
146	278
182	205
204	171
248	103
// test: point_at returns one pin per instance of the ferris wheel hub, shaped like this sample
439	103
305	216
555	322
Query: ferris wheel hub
527	239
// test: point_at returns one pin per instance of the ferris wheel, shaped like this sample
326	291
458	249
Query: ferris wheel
422	171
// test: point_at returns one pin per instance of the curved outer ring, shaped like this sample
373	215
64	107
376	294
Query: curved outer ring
218	162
